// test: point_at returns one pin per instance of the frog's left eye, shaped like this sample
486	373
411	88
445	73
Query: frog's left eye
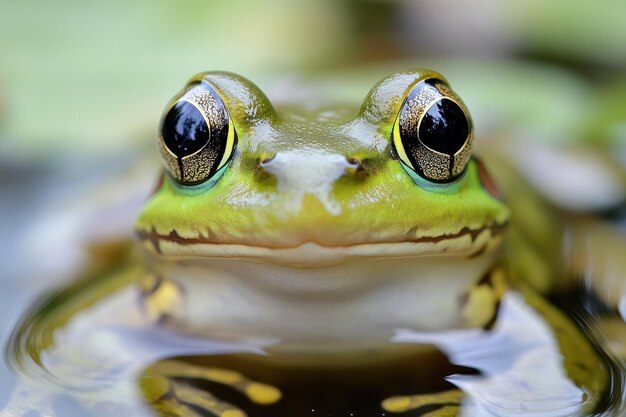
197	136
433	132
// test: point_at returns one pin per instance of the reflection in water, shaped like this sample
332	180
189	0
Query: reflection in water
520	364
82	357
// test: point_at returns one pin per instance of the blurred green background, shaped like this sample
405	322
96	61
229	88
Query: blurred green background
87	78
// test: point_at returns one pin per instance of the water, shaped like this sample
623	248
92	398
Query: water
88	350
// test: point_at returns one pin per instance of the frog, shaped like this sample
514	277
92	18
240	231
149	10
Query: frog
326	229
335	218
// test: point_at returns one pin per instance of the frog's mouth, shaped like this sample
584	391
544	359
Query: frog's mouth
466	242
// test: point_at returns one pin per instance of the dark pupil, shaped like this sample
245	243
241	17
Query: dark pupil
444	127
184	129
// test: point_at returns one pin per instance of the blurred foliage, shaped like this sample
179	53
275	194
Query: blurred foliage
607	123
98	73
92	77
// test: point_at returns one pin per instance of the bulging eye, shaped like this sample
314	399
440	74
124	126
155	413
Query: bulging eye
433	132
197	136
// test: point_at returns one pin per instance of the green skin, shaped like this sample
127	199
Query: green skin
317	189
381	204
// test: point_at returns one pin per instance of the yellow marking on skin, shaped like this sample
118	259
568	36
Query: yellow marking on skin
401	404
257	392
187	370
205	400
172	408
447	411
233	413
480	306
153	385
223	376
191	396
167	299
262	393
396	404
498	282
147	282
483	299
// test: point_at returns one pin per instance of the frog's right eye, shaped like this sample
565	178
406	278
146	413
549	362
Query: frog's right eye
197	136
433	134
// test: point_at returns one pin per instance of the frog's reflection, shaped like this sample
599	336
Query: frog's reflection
254	385
109	359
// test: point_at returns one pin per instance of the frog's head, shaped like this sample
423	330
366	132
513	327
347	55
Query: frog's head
334	217
308	187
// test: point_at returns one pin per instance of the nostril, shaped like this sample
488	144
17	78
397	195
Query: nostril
358	168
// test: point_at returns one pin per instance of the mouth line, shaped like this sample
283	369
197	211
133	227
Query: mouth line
495	229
